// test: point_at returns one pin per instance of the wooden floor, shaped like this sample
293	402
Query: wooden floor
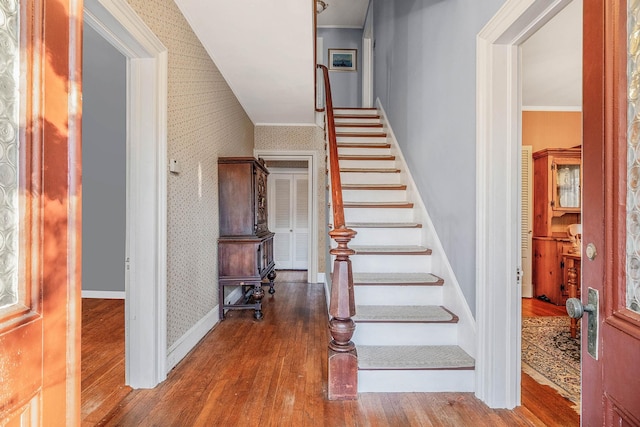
273	373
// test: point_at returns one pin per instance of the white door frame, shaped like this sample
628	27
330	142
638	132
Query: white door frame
146	227
498	301
367	60
312	173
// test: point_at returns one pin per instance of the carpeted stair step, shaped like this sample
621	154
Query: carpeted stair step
391	259
365	158
384	225
378	205
358	124
413	357
391	250
405	289
361	135
375	187
370	170
363	145
403	314
398	279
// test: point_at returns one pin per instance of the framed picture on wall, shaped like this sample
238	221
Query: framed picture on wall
343	59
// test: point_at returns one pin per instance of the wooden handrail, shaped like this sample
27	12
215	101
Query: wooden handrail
334	168
343	358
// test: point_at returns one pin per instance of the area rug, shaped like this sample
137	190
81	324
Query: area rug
550	356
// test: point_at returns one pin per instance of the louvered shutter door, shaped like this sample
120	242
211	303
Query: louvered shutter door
527	210
301	222
280	218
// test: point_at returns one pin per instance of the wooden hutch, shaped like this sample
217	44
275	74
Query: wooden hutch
245	246
556	205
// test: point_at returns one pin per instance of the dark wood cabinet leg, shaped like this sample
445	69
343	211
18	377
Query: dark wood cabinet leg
271	276
258	293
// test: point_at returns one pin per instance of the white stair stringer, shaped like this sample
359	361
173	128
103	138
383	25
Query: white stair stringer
414	331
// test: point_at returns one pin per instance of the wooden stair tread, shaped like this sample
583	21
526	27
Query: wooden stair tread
381	205
364	145
413	357
361	134
358	125
391	250
399	279
356	116
384	225
374	187
355	108
370	170
365	157
403	314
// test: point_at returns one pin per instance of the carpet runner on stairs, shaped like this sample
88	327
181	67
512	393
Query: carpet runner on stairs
406	339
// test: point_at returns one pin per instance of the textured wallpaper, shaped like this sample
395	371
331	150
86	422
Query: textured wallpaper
307	138
205	121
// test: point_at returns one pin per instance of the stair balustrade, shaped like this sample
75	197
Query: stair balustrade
342	356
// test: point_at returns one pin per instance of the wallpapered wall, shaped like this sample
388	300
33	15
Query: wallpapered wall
205	121
307	138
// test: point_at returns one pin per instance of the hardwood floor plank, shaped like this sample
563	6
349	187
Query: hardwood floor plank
273	373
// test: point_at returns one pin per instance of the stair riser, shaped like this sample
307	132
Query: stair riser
356	120
351	151
398	295
405	334
374	195
368	164
391	263
362	129
361	140
387	236
378	215
354	112
416	381
369	178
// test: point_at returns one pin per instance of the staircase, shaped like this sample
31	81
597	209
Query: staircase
407	341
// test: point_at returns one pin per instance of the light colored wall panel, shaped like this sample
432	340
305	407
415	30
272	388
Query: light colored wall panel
551	129
425	78
205	121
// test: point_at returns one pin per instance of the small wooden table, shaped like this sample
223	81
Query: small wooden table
572	263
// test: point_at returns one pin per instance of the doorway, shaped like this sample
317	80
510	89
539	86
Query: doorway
551	128
288	202
146	176
304	164
499	310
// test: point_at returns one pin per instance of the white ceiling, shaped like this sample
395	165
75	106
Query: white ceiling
264	50
343	14
552	63
265	54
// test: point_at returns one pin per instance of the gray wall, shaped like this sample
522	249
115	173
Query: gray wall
424	75
346	86
103	164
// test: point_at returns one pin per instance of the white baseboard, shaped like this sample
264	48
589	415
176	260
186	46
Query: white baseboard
527	290
104	294
321	278
192	337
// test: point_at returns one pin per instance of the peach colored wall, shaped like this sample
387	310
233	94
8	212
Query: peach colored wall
551	129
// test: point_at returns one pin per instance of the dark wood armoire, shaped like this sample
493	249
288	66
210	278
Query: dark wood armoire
245	246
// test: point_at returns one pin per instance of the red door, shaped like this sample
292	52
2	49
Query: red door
611	383
40	212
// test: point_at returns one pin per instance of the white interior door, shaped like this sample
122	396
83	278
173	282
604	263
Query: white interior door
289	219
526	218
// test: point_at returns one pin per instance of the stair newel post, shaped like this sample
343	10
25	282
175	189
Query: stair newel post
343	357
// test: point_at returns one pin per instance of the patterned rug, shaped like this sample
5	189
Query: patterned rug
550	356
